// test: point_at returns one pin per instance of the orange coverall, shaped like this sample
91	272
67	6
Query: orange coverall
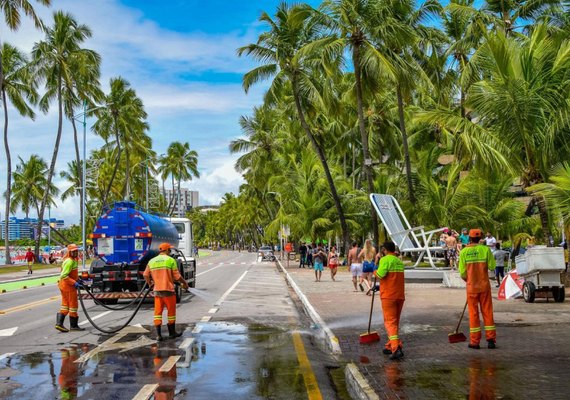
164	271
474	262
68	374
67	279
391	274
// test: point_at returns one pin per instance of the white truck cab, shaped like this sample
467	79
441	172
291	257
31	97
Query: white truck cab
185	237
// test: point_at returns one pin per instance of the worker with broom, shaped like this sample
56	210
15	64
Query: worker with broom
391	274
474	262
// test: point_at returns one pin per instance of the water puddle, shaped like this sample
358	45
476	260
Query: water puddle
228	360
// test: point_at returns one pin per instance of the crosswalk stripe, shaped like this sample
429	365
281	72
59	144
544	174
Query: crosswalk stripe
95	317
8	332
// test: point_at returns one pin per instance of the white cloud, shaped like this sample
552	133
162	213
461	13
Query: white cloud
220	180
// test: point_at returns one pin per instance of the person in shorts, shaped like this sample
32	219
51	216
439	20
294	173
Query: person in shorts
30	258
333	261
500	256
355	264
319	258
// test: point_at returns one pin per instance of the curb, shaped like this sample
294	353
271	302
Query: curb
332	340
28	279
358	386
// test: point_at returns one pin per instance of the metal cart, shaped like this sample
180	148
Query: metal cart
541	269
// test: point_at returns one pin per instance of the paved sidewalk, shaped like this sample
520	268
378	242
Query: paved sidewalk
531	360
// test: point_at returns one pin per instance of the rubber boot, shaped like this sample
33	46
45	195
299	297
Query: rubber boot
73	326
159	337
397	354
172	334
60	318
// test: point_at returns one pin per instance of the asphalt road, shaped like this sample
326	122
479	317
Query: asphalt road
244	338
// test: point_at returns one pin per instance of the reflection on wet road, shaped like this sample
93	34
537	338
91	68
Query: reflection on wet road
229	361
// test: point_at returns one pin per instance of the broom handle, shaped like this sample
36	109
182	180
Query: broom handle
461	318
372	304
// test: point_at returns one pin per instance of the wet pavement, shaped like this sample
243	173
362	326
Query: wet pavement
531	361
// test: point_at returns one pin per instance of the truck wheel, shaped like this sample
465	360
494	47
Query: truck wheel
559	294
529	292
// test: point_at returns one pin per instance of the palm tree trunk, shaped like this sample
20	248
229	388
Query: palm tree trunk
179	201
408	164
171	202
8	171
367	165
322	158
51	168
78	166
543	213
126	194
117	164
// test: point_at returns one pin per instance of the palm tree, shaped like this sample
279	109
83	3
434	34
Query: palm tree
12	16
182	164
556	192
281	48
30	185
122	124
56	60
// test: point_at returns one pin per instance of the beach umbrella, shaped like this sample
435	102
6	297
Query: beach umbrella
511	286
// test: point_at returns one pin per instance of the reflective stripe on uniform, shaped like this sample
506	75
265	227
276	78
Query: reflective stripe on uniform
474	329
490	328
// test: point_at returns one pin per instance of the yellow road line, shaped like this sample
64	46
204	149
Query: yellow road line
28	306
311	383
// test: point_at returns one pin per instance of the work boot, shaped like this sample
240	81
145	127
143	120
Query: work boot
73	326
172	334
491	344
397	354
386	351
60	318
159	337
474	346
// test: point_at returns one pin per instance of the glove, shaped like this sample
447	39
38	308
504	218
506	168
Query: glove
375	288
78	284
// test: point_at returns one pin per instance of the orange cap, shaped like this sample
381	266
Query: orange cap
475	233
164	247
72	247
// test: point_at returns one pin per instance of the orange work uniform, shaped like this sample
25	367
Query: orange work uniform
474	263
391	274
69	374
163	271
67	279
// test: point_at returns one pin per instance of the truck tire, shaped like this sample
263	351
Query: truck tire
559	294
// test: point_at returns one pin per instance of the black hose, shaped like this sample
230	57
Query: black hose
98	302
111	331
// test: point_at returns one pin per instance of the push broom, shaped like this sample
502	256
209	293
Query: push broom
370	337
457	337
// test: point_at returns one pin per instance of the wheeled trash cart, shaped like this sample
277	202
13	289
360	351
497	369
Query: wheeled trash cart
541	268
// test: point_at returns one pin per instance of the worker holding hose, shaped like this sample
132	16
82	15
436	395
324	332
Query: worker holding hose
68	283
475	260
162	272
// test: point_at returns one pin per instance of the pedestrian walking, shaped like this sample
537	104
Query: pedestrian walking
332	261
392	294
30	257
319	258
451	250
162	272
500	256
367	255
475	261
490	240
310	249
464	237
68	284
355	264
302	255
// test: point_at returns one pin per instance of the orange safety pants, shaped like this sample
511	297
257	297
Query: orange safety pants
68	374
485	301
68	300
170	304
392	309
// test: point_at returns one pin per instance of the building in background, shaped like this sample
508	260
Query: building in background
189	199
25	228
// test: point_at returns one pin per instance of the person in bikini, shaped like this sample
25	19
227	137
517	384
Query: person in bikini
367	254
332	261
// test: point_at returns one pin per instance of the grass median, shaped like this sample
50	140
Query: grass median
11	286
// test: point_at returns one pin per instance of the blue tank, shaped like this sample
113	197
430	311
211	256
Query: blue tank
125	234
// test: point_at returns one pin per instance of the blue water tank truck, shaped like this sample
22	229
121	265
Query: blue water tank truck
125	238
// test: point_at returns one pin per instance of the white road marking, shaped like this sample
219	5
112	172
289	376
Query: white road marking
232	263
146	391
186	343
243	263
6	355
95	317
213	310
221	300
169	364
8	332
210	270
197	329
187	347
206	318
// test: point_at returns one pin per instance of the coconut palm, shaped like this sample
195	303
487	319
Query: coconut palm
182	164
280	47
556	192
12	11
56	59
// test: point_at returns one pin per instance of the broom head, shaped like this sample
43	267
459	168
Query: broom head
369	337
456	337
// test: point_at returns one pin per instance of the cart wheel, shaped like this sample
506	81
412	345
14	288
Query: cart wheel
559	294
528	292
178	293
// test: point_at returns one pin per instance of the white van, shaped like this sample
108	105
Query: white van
185	236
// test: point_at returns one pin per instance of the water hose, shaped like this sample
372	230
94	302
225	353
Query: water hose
100	303
111	331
